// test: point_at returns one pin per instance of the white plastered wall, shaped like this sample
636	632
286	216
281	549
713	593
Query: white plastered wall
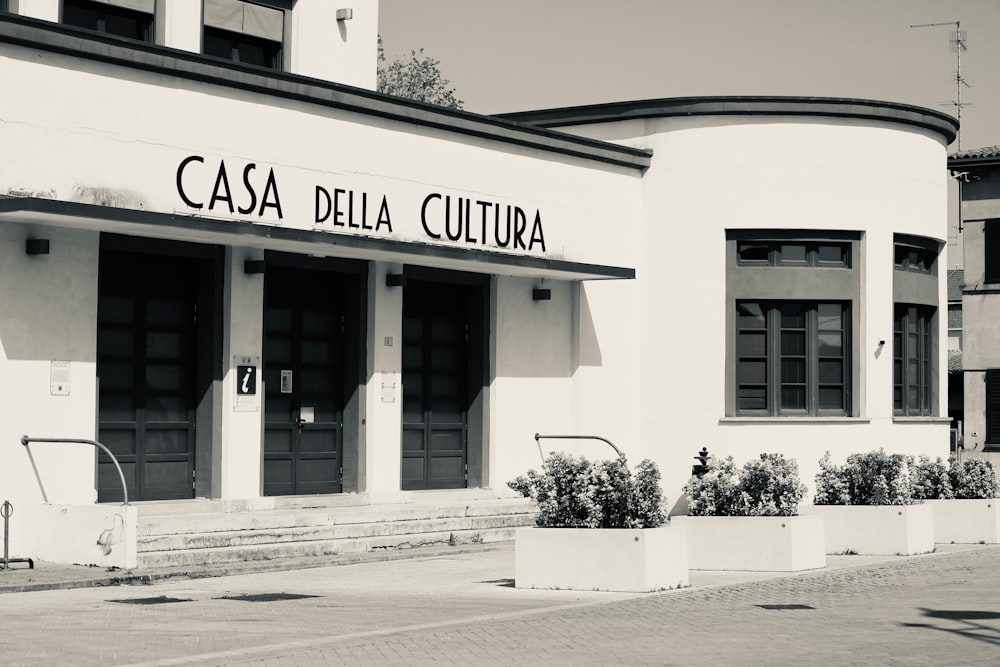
49	307
343	50
237	449
713	174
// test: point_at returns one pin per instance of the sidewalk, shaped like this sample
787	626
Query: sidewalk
19	578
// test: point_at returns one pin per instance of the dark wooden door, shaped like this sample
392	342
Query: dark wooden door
303	382
436	384
147	360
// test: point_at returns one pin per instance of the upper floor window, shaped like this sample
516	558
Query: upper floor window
794	253
132	19
914	254
244	32
991	244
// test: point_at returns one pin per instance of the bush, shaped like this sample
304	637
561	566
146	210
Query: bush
572	492
931	479
875	478
766	486
973	478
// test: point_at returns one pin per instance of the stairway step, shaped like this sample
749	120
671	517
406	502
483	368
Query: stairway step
335	531
159	559
203	522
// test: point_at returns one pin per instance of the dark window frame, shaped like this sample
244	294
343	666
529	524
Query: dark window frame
992	411
144	22
991	251
273	51
913	343
790	368
780	253
915	254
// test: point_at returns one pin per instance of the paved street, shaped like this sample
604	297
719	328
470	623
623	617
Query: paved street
939	609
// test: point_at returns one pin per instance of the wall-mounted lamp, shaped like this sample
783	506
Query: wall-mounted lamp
395	280
881	343
345	14
538	294
253	267
37	247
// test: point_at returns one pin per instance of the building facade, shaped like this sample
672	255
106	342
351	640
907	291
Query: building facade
978	172
249	275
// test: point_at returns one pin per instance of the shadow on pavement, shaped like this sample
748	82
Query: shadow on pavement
968	628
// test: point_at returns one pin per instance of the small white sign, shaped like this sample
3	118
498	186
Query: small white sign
286	382
389	382
59	378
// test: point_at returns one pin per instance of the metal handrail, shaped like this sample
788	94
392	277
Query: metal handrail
538	439
25	440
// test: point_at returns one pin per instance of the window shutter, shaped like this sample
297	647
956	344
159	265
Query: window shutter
245	18
993	406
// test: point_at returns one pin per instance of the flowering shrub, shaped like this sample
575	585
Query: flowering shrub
766	486
973	478
572	492
931	479
875	478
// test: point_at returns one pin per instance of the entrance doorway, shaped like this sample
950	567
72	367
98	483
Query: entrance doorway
304	380
148	360
442	379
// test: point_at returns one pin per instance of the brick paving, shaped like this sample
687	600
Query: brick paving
939	609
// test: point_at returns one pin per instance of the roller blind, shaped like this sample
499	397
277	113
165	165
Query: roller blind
147	6
245	18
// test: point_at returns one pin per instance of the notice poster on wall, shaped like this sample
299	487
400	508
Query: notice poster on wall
59	378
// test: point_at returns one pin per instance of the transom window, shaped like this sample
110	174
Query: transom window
913	337
793	253
132	19
792	358
913	258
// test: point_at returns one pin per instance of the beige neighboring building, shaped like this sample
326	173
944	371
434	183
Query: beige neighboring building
978	172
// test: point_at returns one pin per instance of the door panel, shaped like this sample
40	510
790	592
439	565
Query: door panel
304	322
147	362
436	382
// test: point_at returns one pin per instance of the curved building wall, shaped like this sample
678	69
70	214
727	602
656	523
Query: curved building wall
857	181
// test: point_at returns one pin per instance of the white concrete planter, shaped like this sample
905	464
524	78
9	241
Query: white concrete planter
756	543
609	559
877	529
971	521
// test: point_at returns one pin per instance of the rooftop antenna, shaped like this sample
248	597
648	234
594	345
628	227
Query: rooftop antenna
956	44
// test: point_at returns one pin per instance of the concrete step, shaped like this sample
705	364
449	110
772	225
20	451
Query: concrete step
329	532
187	533
277	519
335	547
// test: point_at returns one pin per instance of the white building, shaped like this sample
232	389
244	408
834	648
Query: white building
254	282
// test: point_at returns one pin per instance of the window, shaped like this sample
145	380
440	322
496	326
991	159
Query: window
244	32
242	48
913	355
915	254
991	242
792	358
132	19
793	253
993	406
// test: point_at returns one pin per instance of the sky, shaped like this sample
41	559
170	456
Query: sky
519	55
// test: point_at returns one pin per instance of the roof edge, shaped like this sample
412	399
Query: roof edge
839	107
